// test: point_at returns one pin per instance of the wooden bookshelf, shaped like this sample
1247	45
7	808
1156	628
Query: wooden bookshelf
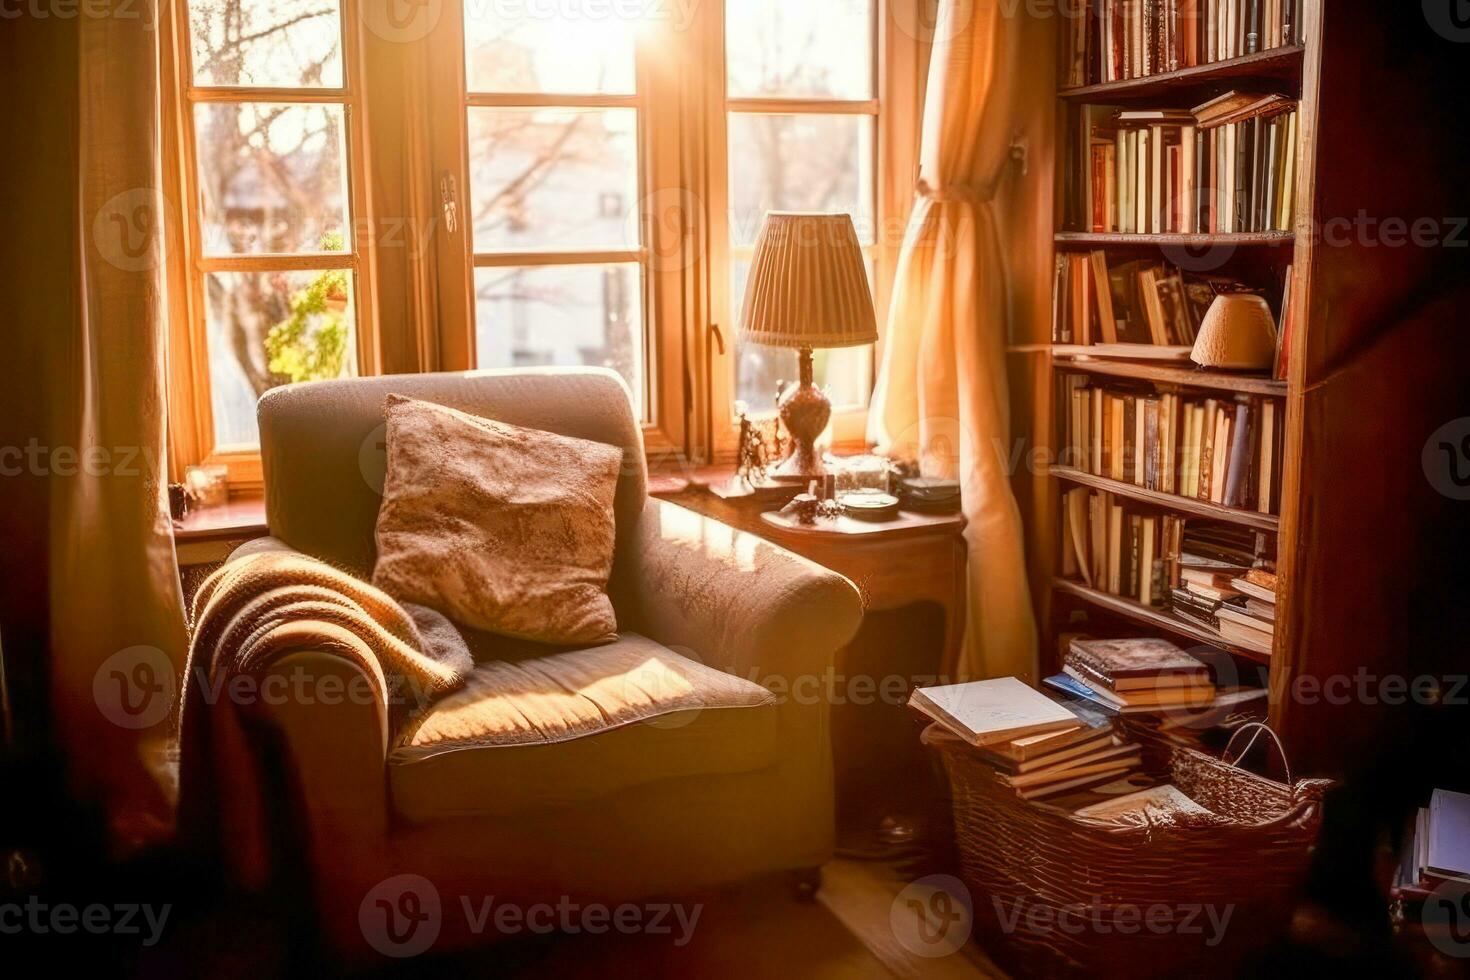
1370	552
1283	63
1169	501
1157	618
1074	357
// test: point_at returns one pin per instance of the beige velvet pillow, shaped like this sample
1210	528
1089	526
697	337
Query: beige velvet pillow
498	527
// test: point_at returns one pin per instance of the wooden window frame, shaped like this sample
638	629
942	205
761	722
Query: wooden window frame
685	253
665	387
191	409
898	61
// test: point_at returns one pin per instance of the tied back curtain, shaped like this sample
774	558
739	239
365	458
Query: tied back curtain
117	635
942	397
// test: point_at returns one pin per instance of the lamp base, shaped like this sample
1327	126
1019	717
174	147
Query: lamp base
805	411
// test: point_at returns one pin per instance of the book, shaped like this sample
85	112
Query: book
1033	750
990	711
1246	587
1195	696
1074	783
1157	804
1117	754
1447	846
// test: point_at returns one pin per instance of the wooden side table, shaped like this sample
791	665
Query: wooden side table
888	798
914	558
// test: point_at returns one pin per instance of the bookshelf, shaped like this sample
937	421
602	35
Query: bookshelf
1370	551
1257	258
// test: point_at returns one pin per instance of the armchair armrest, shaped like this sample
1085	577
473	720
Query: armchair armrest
740	603
319	711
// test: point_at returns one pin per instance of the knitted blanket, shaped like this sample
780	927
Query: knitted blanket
271	601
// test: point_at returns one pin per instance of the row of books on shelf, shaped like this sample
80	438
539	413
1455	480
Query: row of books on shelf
1213	575
1132	302
1225	451
1225	167
1113	40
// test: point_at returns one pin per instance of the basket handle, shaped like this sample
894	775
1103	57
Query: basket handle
1259	727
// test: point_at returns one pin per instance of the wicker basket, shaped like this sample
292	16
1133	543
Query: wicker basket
1055	894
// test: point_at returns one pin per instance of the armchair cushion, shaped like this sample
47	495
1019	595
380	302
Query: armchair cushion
499	527
578	726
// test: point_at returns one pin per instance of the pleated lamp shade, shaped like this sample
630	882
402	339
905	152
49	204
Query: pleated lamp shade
808	284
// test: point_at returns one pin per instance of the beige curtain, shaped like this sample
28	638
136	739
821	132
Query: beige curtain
941	396
117	621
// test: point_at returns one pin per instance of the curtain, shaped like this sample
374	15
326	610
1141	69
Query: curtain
941	397
117	634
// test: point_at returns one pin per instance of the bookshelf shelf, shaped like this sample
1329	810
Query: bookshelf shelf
1170	501
1158	618
1282	63
1067	358
1091	239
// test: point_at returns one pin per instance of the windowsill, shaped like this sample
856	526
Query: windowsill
238	518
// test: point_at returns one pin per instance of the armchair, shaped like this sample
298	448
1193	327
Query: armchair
711	760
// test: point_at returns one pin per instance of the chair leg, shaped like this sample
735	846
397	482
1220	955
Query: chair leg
806	882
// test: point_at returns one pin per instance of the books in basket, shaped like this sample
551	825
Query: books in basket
993	711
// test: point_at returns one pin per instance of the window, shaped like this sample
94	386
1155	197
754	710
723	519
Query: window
803	118
572	150
269	162
553	112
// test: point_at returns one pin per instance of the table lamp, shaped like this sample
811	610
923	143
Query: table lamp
808	288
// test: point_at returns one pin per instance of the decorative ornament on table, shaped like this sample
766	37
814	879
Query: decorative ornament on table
752	457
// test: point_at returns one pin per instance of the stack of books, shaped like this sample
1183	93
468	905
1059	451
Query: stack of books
1112	40
1139	675
1226	451
1436	854
1227	166
1037	747
1226	586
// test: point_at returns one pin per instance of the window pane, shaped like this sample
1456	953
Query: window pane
564	315
800	48
567	49
554	178
799	163
286	43
273	328
846	372
271	177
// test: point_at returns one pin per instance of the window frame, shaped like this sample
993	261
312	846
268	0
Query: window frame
665	389
191	407
681	98
897	61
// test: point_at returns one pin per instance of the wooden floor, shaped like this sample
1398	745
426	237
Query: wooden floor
758	930
762	930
